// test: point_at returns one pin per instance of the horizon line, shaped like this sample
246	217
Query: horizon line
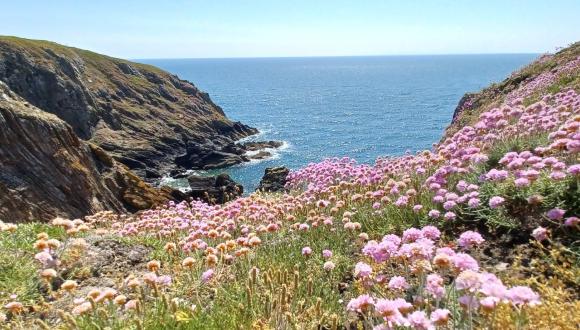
330	56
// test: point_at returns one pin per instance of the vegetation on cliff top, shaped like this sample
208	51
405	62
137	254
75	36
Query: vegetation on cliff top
480	232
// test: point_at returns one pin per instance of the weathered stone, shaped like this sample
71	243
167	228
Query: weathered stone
259	145
214	189
47	171
274	179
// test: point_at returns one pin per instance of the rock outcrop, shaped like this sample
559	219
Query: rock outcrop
214	189
274	179
47	171
144	117
259	145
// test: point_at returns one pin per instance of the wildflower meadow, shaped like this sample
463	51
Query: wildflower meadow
480	232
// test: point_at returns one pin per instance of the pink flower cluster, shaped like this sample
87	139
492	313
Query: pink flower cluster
434	269
542	81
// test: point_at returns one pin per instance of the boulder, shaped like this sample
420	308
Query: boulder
259	145
274	179
214	189
260	155
220	159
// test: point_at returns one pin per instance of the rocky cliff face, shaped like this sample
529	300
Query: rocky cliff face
47	171
146	118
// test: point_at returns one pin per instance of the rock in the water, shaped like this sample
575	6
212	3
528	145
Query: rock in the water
274	179
214	189
261	155
259	145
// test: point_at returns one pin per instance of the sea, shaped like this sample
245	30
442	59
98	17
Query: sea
362	107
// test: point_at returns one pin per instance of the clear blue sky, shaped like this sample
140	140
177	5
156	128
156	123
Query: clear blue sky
255	28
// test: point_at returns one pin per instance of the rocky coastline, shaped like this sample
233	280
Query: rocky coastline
98	114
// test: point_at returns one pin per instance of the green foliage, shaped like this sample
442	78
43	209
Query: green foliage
18	269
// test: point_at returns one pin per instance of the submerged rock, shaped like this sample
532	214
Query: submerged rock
274	179
214	189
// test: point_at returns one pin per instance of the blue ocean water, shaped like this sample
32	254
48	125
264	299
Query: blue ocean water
361	107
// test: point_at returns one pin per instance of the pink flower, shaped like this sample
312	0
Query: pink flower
522	295
449	205
496	201
207	275
450	215
431	232
164	280
468	302
494	289
398	283
46	259
572	221
462	186
488	303
438	199
468	280
402	201
419	320
396	240
306	251
417	208
412	234
381	252
440	317
556	213
521	182
390	310
326	254
328	266
540	234
362	270
557	175
496	175
434	286
303	227
360	304
574	169
470	239
463	261
473	202
131	305
434	214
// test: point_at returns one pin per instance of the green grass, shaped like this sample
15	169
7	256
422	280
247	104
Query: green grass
18	269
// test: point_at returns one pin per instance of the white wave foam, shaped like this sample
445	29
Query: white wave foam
255	137
274	152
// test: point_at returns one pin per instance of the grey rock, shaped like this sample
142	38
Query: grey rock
274	179
214	189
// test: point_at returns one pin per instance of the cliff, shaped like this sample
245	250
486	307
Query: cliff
146	118
47	171
550	73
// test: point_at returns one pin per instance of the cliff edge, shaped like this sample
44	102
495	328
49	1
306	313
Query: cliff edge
146	118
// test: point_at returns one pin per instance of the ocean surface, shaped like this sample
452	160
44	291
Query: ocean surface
361	107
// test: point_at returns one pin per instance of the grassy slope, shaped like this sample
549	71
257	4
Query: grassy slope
495	94
314	296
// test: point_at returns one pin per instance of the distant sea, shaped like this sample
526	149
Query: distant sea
360	107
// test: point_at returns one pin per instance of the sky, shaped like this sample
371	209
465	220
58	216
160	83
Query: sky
273	28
